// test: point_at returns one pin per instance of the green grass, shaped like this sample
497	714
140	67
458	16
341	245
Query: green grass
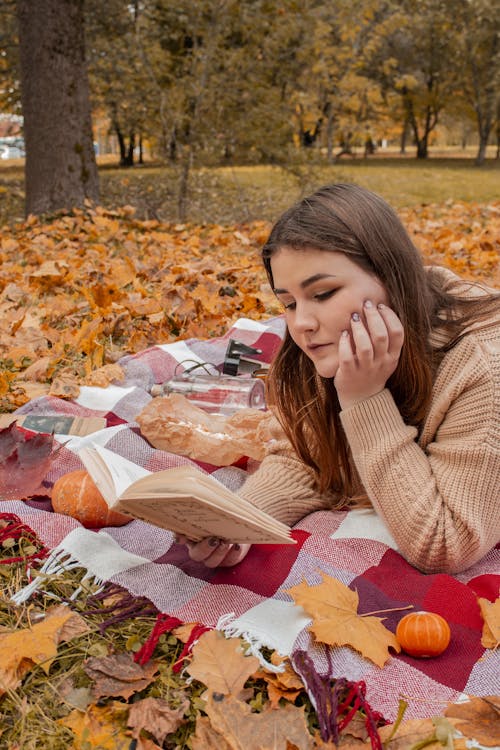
239	194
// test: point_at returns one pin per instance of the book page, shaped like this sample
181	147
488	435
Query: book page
197	519
111	473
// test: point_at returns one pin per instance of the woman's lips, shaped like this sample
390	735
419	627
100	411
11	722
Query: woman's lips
317	347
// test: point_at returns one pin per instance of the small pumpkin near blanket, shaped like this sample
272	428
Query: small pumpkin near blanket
423	634
75	494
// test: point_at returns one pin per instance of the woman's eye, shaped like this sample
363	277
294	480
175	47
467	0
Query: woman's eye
289	305
325	295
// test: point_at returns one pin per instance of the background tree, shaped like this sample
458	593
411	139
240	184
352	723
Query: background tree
10	95
60	167
412	53
120	86
478	61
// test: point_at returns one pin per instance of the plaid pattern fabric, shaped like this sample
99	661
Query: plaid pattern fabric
250	599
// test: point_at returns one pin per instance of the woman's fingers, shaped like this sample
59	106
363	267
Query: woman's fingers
394	328
368	353
215	553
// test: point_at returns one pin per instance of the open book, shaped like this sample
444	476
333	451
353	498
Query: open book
181	499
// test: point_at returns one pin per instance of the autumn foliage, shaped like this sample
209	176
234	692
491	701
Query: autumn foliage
82	290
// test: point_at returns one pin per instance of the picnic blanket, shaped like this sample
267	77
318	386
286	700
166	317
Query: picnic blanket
250	599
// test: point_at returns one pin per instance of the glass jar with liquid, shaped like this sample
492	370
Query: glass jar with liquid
224	394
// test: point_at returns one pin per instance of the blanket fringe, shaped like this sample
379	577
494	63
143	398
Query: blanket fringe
164	624
336	702
15	529
254	644
122	606
57	562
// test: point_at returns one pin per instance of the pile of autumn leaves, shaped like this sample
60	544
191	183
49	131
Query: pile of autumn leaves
81	291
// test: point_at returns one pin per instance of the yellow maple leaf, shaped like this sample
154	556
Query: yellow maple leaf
25	647
491	626
100	727
336	622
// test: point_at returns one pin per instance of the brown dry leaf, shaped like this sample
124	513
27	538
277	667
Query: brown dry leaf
491	627
157	717
22	649
478	719
99	728
144	743
220	664
105	375
65	386
206	738
244	730
409	733
286	684
74	697
183	632
333	608
37	371
119	675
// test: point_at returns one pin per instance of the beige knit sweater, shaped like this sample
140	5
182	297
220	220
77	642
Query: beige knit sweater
439	492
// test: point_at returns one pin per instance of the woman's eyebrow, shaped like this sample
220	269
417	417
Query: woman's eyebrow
307	282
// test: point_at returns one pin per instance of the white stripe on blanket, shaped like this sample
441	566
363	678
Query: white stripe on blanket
101	399
364	523
180	351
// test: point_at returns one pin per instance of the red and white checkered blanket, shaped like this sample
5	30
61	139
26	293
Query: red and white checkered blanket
250	599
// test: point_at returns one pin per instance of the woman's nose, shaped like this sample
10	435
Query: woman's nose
304	319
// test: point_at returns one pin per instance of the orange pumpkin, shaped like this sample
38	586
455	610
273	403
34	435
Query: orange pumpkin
76	495
423	634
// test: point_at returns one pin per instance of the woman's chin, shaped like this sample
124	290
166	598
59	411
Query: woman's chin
326	371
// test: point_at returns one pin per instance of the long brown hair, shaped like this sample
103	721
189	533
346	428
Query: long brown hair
349	219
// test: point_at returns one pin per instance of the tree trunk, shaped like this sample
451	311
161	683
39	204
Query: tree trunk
121	143
60	169
481	151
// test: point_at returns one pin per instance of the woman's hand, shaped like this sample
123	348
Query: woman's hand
368	353
213	552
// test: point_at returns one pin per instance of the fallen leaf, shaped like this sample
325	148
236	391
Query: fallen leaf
220	663
156	716
333	608
205	737
119	675
65	386
99	728
242	729
491	626
25	647
410	734
79	698
286	684
478	719
105	375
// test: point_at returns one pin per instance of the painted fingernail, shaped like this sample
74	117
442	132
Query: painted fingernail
380	306
355	317
213	541
236	547
368	303
345	334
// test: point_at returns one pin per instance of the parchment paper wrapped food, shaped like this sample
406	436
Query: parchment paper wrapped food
172	423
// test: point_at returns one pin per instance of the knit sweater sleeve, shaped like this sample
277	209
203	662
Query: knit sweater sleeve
439	495
283	486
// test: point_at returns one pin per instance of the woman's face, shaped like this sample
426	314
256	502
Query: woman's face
320	291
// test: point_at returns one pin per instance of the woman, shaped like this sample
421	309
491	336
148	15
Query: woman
387	385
